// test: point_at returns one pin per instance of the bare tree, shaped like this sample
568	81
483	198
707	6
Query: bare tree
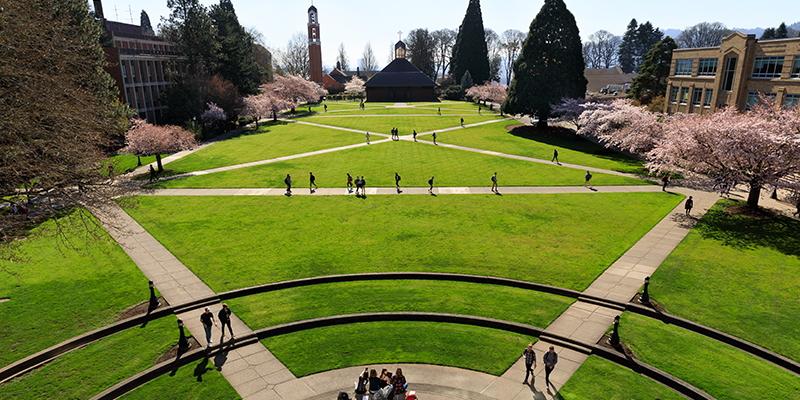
341	58
444	40
368	61
493	45
421	51
590	57
294	59
511	42
601	49
704	34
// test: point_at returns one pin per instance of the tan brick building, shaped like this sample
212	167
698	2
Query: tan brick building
703	79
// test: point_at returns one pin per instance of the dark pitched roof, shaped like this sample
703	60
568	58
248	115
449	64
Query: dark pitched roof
400	72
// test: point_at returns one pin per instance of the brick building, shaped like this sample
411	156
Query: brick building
735	73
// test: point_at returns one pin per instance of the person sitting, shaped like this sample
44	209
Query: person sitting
385	378
361	384
374	381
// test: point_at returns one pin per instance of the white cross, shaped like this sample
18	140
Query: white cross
399	35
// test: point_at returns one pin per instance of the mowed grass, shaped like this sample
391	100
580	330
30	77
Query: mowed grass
489	301
564	240
271	140
87	371
125	162
571	150
597	378
58	294
405	123
718	369
199	380
409	111
738	275
374	343
415	162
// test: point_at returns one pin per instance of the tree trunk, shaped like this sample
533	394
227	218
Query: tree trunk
139	160
754	195
158	161
257	118
542	124
275	116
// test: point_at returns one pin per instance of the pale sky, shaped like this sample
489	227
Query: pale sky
356	22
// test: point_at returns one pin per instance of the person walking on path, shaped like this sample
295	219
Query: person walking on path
550	359
326	107
494	182
415	135
397	181
358	184
689	204
434	138
399	384
111	171
530	361
288	182
363	186
555	156
665	182
439	111
479	110
152	173
367	137
462	122
311	181
207	318
430	182
349	183
588	178
225	320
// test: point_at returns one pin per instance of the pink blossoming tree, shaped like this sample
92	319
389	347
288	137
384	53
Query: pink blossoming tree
144	139
294	89
489	91
622	125
213	115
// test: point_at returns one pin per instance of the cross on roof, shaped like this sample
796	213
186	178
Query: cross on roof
399	35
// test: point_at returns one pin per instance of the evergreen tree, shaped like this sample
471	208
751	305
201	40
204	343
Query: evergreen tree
781	33
652	79
466	81
190	28
550	65
144	21
769	33
470	51
233	56
421	50
627	48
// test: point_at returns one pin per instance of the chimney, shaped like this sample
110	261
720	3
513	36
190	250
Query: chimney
98	9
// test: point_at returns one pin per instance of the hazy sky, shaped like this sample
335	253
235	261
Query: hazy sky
356	22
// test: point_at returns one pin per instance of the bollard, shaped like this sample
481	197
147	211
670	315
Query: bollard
645	298
154	303
183	343
614	339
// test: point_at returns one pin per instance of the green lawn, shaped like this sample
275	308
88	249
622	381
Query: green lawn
490	301
718	369
405	123
316	350
738	275
564	240
409	111
125	162
600	379
56	295
574	150
415	162
88	371
199	380
271	140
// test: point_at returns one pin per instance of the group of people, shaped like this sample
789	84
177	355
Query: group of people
550	359
360	184
224	315
386	386
396	134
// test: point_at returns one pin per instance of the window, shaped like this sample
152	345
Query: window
141	70
697	96
754	97
684	67
707	99
133	72
728	74
768	67
149	74
791	100
144	92
684	95
124	72
314	33
673	95
796	67
707	67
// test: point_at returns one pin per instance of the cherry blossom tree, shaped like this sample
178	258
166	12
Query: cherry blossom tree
295	89
489	91
570	110
263	104
213	115
622	125
355	86
758	147
144	139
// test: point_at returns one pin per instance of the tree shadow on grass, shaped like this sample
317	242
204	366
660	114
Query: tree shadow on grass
749	232
263	127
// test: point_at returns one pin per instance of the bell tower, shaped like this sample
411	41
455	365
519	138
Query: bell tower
314	47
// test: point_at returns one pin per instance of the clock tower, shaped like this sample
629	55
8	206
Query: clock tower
314	48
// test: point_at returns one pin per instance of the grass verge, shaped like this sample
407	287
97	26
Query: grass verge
195	381
600	379
405	123
316	350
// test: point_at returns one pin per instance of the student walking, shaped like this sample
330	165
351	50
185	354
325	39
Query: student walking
430	182
397	181
326	107
665	182
311	181
439	111
367	137
152	173
550	359
225	320
415	135
588	178
434	138
349	183
207	318
530	361
494	182
555	156
288	182
358	184
688	205
363	186
462	122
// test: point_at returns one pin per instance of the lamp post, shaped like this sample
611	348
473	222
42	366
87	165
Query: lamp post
154	303
645	298
614	340
183	343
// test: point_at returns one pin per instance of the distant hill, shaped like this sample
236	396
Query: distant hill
673	33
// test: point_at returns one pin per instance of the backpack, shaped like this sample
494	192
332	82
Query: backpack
430	181
343	396
383	394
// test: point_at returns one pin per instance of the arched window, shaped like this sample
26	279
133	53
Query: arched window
314	33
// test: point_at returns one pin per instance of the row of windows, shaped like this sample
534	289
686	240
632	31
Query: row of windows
144	97
764	67
790	100
153	68
705	67
768	67
697	96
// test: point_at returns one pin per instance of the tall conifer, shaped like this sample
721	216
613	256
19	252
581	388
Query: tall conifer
550	65
233	58
627	48
470	52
